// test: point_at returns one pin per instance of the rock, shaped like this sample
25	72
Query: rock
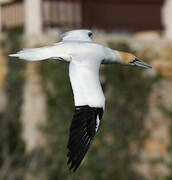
157	126
3	72
163	66
147	35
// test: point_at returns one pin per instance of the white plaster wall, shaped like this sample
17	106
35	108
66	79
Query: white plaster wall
33	17
167	18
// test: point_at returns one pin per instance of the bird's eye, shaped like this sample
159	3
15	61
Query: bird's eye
90	34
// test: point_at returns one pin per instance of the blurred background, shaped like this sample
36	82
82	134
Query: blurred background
36	100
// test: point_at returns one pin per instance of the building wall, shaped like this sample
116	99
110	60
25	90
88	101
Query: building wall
126	14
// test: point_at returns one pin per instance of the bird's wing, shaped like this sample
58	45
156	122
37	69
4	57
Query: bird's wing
89	104
58	51
76	35
84	125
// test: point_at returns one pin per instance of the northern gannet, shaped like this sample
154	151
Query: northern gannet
84	57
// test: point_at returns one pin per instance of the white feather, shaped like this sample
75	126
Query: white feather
59	50
76	35
97	123
84	75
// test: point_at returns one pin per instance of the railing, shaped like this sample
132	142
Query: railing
12	15
104	14
62	13
59	13
101	14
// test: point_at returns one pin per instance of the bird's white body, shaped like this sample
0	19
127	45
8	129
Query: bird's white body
86	85
84	74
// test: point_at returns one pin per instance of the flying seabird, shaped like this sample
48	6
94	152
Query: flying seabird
84	57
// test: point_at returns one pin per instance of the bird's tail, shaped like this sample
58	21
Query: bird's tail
32	54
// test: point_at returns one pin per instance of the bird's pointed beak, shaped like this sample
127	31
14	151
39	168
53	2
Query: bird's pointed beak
138	62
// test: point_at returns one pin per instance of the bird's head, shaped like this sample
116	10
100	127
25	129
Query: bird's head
130	60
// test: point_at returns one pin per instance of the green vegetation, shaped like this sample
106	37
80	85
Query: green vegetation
12	147
60	110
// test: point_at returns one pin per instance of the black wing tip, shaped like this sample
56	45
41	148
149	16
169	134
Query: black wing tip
73	164
82	132
74	160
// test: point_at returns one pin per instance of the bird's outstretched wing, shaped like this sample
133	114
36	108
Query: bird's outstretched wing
84	125
58	51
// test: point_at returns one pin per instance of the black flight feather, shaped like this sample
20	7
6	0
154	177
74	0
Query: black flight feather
82	132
